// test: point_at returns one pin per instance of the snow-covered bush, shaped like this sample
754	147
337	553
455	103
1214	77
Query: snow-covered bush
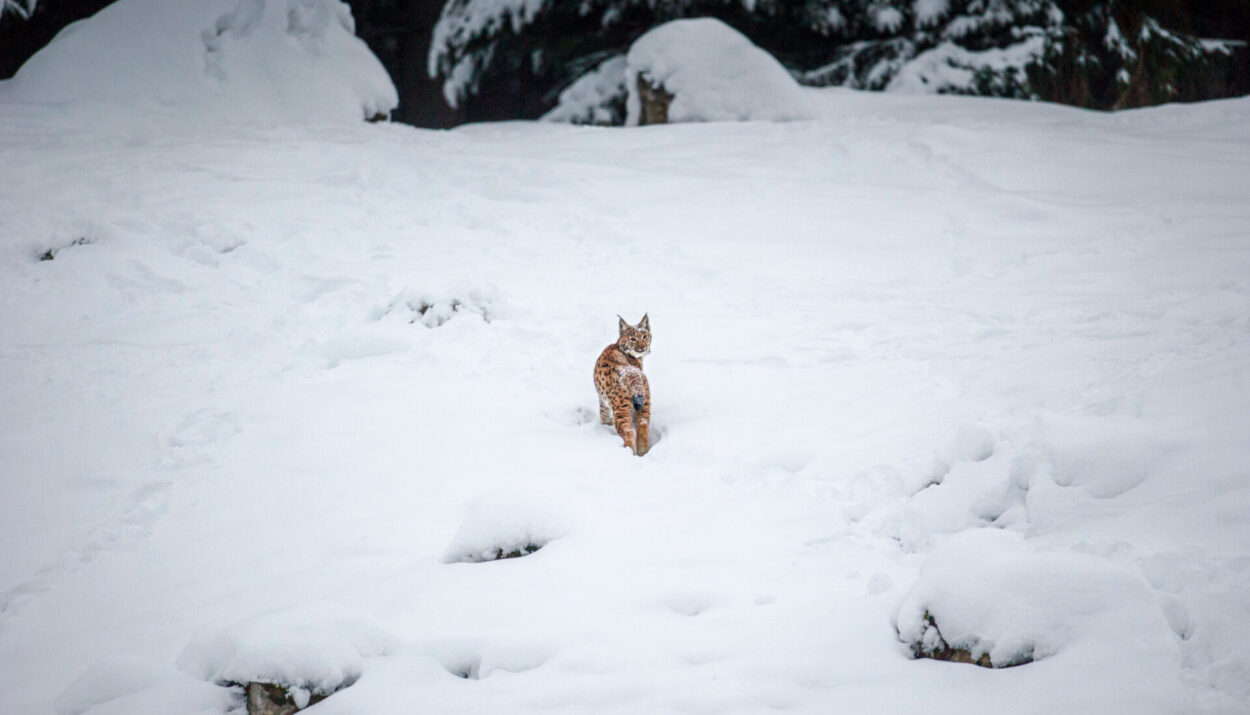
316	648
714	74
985	592
433	308
249	60
505	525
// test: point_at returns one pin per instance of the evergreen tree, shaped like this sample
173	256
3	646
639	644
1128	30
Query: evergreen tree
1116	54
496	55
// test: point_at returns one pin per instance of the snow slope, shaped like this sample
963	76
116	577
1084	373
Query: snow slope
279	390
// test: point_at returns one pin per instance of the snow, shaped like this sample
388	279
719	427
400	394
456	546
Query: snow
1116	42
460	22
887	19
268	61
714	74
989	593
929	12
281	388
121	684
588	100
951	68
317	648
507	523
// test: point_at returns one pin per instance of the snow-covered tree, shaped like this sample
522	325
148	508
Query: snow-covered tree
496	55
947	46
1115	54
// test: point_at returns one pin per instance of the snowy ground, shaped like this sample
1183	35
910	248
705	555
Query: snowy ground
233	443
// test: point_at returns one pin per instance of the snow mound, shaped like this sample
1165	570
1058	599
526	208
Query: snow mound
969	495
989	594
272	61
433	308
316	647
714	74
131	684
504	525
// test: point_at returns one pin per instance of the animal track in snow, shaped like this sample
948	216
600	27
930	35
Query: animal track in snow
141	508
690	604
470	659
195	431
138	511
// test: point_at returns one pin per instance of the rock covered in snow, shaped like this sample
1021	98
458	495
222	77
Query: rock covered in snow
713	72
986	593
506	525
311	649
271	61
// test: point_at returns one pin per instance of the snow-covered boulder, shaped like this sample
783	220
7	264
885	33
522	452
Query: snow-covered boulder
506	525
713	73
271	61
311	649
986	594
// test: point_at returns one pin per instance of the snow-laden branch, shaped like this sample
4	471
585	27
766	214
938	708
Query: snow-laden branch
21	8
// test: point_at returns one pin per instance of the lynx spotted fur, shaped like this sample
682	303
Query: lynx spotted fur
624	396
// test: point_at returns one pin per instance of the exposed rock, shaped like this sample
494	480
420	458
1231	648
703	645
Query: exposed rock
933	645
270	699
50	254
654	100
517	553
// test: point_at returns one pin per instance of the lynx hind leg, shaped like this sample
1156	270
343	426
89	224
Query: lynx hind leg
605	411
624	423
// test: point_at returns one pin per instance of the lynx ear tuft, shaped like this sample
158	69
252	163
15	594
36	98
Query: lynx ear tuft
623	326
645	324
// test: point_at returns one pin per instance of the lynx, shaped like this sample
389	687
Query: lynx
624	396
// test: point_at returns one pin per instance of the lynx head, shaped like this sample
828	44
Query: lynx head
635	341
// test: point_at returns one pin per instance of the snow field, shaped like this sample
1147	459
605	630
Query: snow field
976	357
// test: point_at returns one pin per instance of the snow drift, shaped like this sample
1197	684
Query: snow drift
271	61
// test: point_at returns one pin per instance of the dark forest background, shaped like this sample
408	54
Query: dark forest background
399	33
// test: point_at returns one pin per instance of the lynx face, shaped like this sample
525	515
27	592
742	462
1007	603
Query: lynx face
635	341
